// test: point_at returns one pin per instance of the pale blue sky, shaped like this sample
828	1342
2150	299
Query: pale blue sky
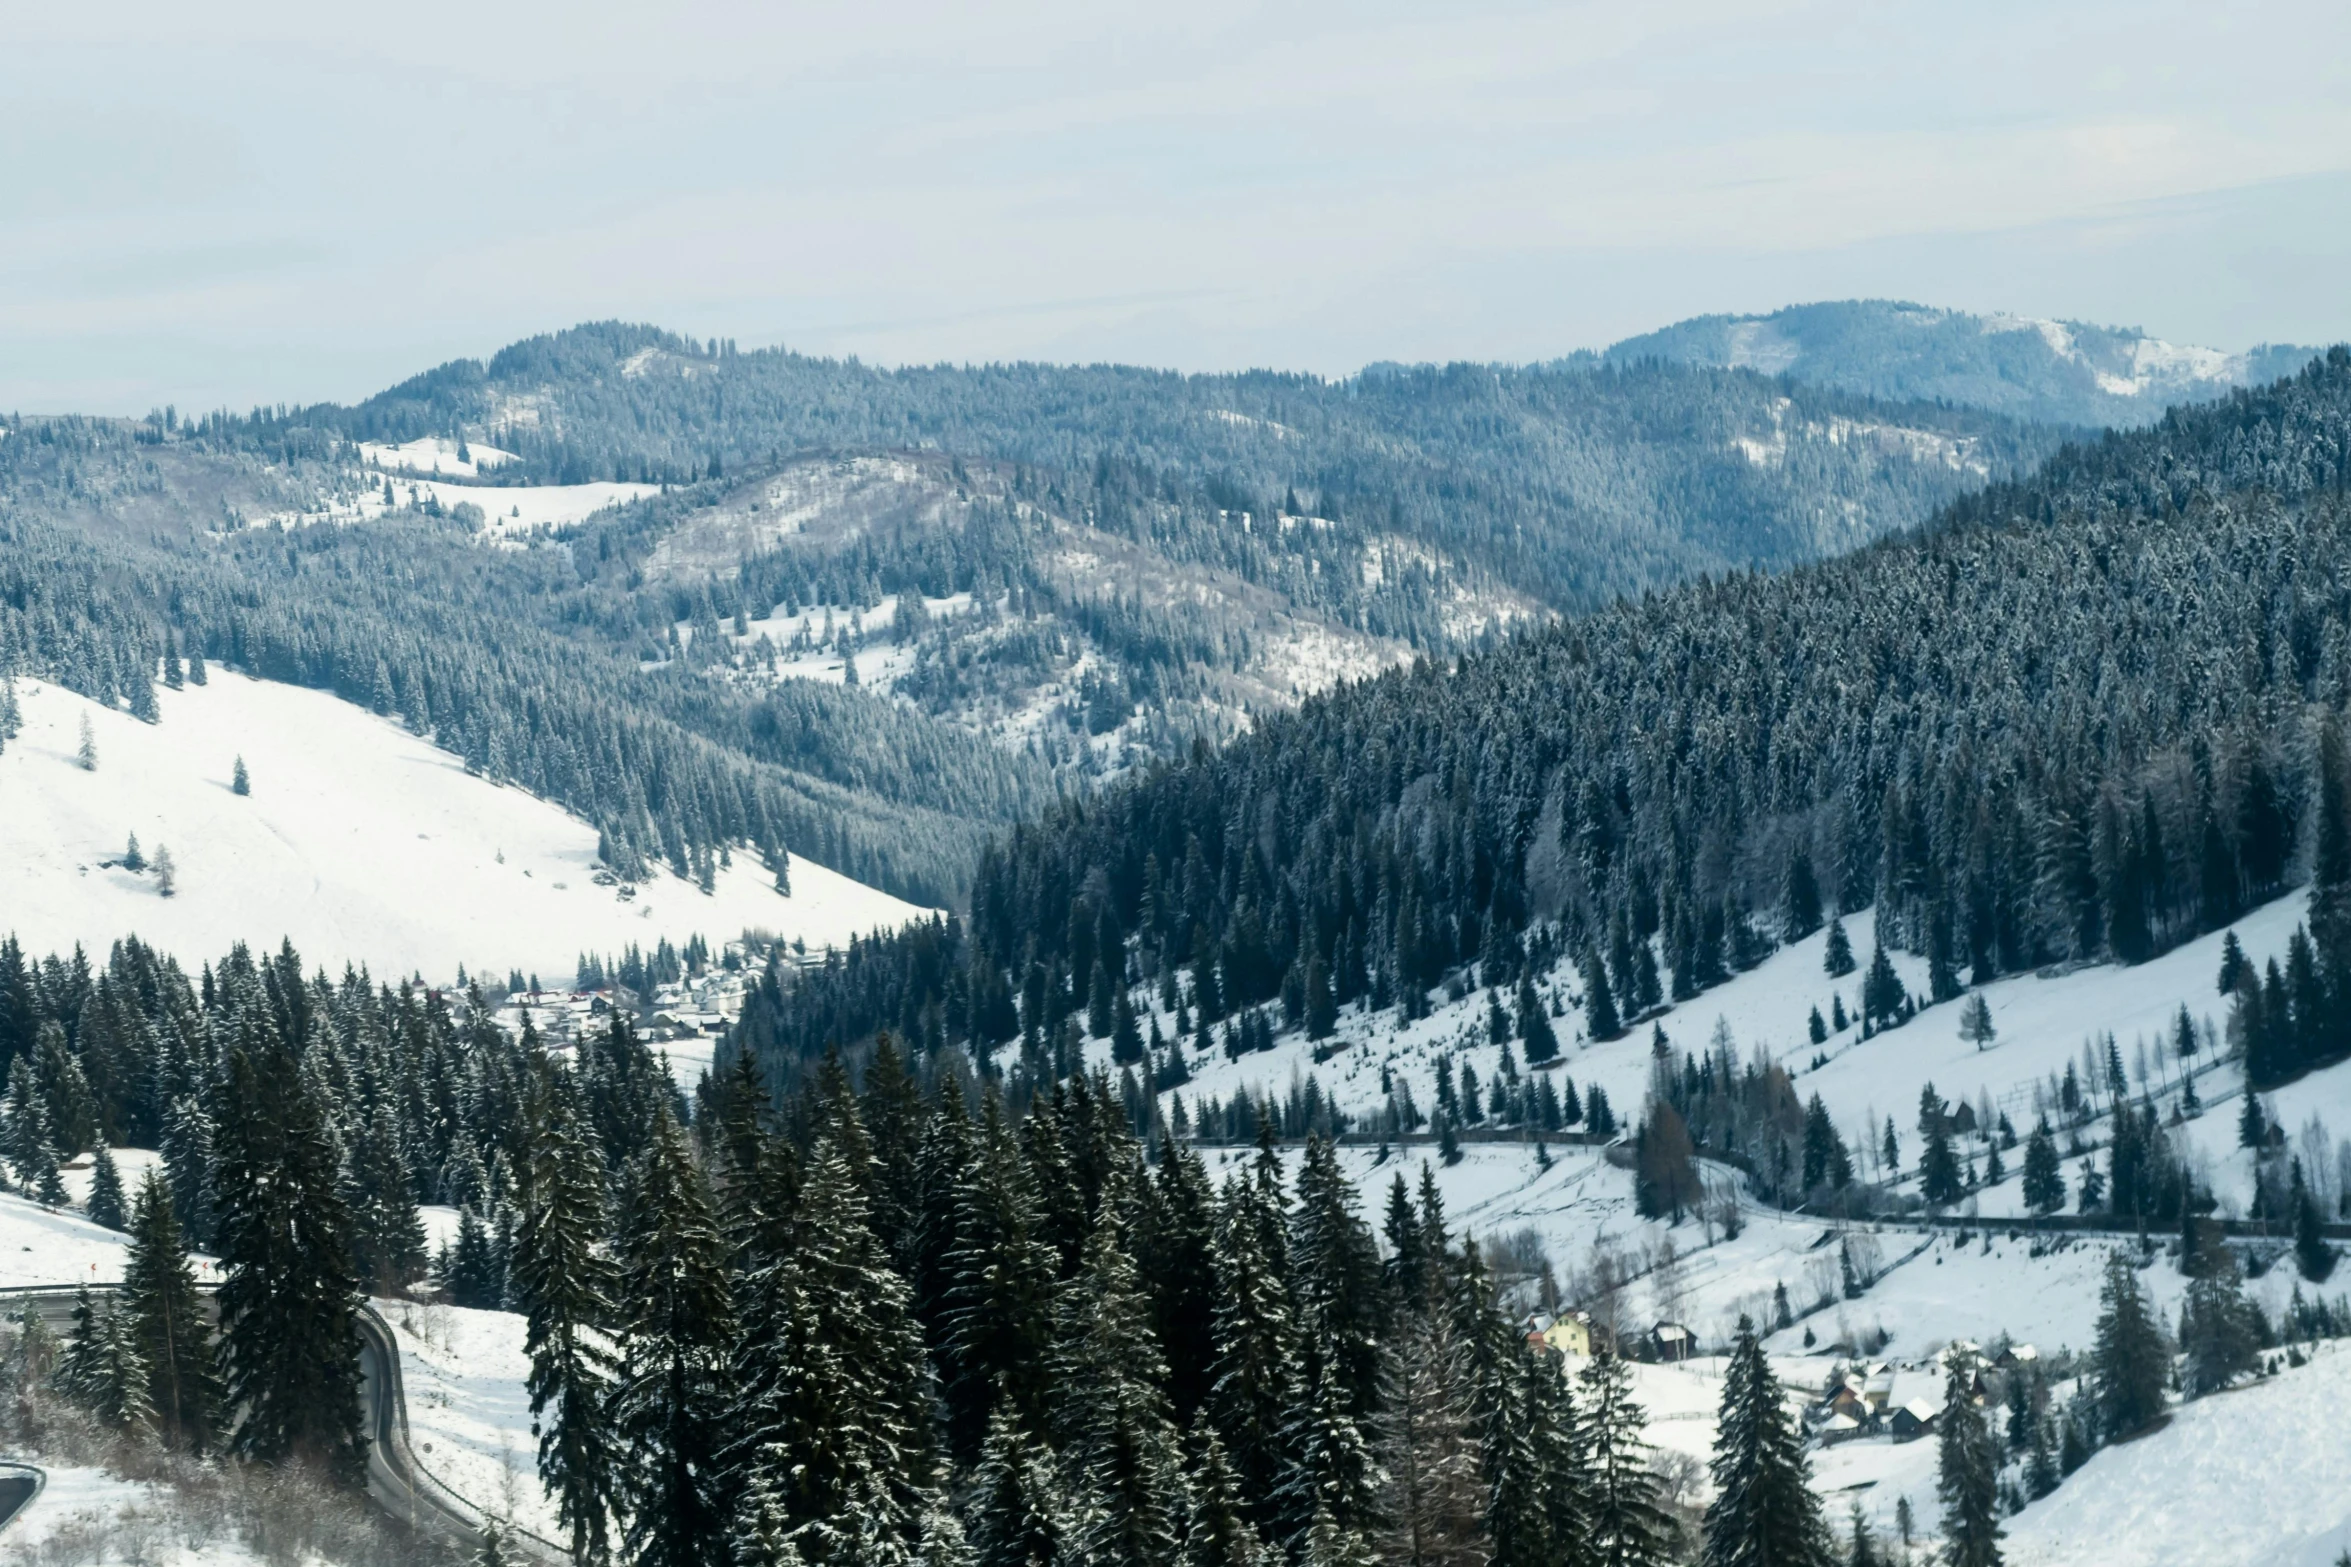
261	200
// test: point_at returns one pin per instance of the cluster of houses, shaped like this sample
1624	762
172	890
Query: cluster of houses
701	1007
1904	1402
1573	1333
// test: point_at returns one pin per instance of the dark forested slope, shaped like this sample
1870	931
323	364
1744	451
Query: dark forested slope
2080	717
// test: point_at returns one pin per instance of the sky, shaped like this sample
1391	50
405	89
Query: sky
271	200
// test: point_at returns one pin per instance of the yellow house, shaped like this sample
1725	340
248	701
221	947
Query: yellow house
1570	1333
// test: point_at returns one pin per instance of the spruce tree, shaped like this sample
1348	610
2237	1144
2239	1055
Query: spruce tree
168	1322
1967	1472
2044	1181
1764	1513
564	1284
677	1324
830	1407
1629	1524
2220	1332
289	1297
2130	1363
1433	1506
1837	957
1019	1517
1118	1440
999	1297
105	1206
1255	1388
388	1235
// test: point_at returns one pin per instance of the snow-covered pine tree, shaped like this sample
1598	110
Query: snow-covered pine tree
1967	1474
999	1295
168	1322
1434	1504
829	1405
240	781
2220	1332
2130	1364
388	1235
1629	1524
1764	1512
1837	956
188	1159
1118	1441
677	1326
1255	1391
289	1296
563	1282
105	1206
1018	1514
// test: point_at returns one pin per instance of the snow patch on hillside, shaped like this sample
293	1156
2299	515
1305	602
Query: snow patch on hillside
2261	1475
361	842
436	455
469	1410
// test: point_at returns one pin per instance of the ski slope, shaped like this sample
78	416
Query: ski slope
360	842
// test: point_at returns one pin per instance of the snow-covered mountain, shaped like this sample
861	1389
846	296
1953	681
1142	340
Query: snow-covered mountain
359	841
2068	372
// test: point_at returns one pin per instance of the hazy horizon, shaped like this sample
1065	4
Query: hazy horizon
264	203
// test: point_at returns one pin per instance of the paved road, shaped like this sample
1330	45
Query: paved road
396	1482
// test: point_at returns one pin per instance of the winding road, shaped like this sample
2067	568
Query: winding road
396	1482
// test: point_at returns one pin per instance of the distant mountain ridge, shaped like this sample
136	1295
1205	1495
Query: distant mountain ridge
2048	371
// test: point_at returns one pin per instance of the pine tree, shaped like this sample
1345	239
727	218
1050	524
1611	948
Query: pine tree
101	1368
1433	1504
1118	1440
1629	1524
1837	958
86	754
564	1285
1534	1026
289	1298
676	1327
999	1294
168	1322
1600	1014
2044	1182
240	781
105	1206
1018	1515
2312	1255
388	1235
1217	1534
1764	1513
830	1402
2220	1333
1967	1472
1255	1384
1335	1276
2130	1363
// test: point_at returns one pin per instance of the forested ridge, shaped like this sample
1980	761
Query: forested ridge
1427	507
2080	717
1573	482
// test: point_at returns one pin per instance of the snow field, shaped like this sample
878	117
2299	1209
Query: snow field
2260	1474
361	842
469	1412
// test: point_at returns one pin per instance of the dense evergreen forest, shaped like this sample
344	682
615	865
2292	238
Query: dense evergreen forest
1574	482
894	1323
2083	716
1234	520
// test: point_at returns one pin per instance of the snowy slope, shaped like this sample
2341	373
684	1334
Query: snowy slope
2260	1475
360	842
469	1412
